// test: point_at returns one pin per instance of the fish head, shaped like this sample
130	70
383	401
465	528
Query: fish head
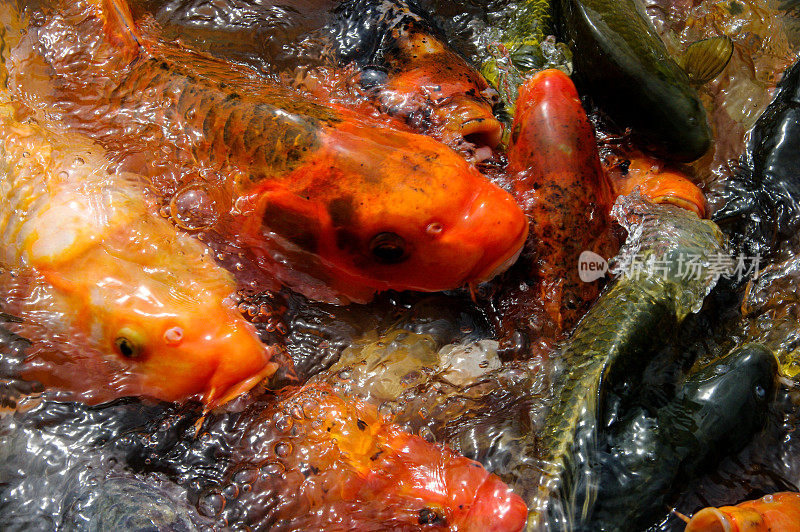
199	350
728	519
657	183
730	398
436	91
419	219
382	209
166	319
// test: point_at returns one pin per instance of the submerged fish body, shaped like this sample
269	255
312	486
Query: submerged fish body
327	202
308	460
109	312
557	179
716	411
761	203
622	63
777	511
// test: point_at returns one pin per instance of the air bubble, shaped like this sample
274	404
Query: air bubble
230	492
283	449
273	469
427	434
193	208
211	505
284	424
246	476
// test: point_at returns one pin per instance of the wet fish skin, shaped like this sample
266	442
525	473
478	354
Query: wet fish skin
327	202
622	63
131	319
776	511
610	339
557	179
761	206
716	411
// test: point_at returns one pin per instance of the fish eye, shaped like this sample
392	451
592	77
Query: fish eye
372	76
129	343
428	516
760	391
389	248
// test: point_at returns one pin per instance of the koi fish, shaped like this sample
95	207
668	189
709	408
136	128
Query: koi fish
306	459
716	412
322	199
635	311
390	51
621	61
558	181
116	300
424	81
777	511
656	181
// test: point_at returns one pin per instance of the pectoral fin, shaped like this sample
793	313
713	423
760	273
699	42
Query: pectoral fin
704	60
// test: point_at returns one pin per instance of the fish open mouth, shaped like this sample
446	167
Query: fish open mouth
711	520
216	397
482	131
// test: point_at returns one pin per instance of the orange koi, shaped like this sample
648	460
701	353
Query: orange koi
558	180
116	301
323	200
433	88
656	181
775	512
333	464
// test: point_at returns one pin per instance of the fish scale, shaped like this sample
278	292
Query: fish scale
612	337
323	200
84	270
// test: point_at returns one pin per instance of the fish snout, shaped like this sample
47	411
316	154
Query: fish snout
496	225
243	362
715	520
496	508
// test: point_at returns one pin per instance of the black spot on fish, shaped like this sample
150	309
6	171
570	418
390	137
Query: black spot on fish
347	240
428	516
342	211
292	225
361	425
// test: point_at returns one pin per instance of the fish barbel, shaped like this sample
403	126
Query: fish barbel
136	307
328	202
